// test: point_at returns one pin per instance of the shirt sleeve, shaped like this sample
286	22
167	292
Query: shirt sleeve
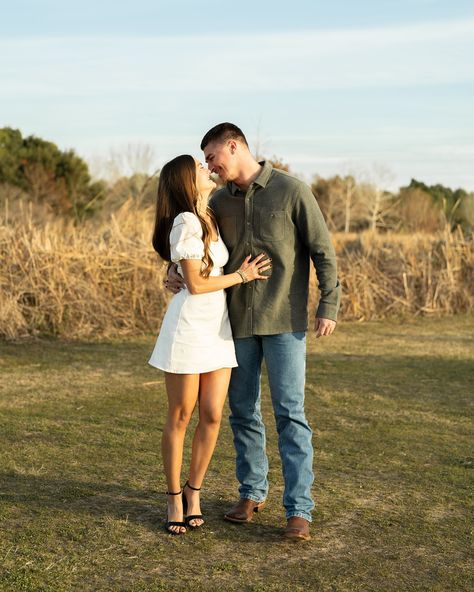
186	238
314	233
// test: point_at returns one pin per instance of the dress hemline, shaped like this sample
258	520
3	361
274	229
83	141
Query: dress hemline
181	371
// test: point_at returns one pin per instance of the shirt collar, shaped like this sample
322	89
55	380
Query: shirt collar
261	180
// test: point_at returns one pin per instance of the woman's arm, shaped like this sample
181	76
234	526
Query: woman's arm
197	284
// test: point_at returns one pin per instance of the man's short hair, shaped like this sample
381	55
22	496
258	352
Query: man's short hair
223	132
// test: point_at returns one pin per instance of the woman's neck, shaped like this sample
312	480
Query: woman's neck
201	205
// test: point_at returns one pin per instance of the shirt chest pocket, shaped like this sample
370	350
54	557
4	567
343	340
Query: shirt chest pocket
271	225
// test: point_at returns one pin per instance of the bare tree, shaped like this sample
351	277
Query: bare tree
417	212
338	198
124	161
132	159
259	141
376	199
44	188
349	190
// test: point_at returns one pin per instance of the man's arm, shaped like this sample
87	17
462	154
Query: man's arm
315	234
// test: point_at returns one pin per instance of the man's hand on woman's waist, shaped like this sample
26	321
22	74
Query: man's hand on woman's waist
174	282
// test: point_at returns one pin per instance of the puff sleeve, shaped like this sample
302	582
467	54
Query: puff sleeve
186	238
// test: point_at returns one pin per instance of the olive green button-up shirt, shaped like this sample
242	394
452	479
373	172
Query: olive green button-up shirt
277	215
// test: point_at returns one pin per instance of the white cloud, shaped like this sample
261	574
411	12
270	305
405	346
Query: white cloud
430	53
92	93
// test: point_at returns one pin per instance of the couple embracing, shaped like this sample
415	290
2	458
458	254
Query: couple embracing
240	284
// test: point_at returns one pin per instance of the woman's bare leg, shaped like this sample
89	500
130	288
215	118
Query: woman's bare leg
212	394
182	391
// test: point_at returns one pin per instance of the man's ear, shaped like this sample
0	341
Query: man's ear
232	146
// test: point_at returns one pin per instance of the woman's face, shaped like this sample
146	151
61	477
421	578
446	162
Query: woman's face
204	183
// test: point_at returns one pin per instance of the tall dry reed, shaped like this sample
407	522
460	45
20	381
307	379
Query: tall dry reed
103	279
86	281
390	274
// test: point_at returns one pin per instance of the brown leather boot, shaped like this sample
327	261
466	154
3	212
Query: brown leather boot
297	529
243	510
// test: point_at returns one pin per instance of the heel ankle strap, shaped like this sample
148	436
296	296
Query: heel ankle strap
171	493
191	487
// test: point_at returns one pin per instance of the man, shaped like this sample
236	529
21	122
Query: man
262	209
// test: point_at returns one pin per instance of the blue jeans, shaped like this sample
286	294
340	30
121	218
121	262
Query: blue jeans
284	356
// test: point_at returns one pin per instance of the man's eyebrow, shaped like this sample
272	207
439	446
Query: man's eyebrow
209	156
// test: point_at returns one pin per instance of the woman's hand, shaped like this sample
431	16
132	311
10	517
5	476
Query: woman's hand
252	270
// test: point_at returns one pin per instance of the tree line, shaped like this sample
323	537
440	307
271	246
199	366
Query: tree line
37	171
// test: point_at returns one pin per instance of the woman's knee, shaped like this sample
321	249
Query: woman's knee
210	416
179	418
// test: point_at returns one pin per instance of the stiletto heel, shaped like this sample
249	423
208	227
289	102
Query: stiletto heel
169	523
187	519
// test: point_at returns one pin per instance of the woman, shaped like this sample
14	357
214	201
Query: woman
194	347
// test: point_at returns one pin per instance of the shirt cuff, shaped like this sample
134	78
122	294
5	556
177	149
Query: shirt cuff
327	311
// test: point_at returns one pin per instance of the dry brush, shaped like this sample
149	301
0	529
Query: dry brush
103	279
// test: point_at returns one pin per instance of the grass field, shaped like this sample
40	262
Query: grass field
81	502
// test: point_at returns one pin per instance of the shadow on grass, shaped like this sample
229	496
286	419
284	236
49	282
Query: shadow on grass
113	500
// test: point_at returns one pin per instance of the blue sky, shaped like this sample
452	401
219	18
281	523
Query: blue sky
383	89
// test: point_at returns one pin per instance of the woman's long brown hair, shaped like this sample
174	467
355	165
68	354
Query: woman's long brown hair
177	193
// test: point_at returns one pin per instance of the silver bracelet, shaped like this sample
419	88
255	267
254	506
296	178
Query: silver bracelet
243	275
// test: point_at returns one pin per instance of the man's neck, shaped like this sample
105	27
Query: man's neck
247	175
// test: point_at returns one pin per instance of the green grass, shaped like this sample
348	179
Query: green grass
81	502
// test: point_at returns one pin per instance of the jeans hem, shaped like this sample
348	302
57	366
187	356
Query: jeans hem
304	515
252	498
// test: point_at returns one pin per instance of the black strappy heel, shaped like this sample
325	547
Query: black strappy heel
172	523
187	519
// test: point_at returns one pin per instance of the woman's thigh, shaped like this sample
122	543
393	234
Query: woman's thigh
182	391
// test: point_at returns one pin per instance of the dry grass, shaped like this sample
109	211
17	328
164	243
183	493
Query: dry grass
81	481
87	281
103	279
391	274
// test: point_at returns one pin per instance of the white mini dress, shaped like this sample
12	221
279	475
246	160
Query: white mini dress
195	334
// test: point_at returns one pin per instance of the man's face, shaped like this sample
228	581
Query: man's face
221	160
